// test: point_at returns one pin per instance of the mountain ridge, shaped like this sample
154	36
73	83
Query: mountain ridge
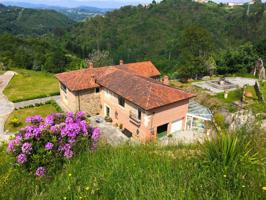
25	21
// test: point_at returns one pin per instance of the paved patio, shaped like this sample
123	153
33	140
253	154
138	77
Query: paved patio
111	134
237	81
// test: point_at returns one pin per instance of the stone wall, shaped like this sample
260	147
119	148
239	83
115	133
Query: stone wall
69	100
90	102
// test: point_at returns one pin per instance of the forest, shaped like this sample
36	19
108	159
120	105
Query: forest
214	39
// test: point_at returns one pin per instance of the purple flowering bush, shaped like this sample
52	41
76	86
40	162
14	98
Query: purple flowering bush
45	144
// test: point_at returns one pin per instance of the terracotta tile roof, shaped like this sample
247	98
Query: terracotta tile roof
86	78
144	92
83	79
145	68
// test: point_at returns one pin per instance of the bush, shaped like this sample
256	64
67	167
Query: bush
220	120
108	119
45	144
15	122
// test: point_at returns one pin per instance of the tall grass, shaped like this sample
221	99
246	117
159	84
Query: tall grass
229	167
229	150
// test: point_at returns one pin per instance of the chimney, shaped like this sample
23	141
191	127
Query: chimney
121	62
90	65
166	80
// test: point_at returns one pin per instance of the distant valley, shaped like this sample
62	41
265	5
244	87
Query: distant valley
77	14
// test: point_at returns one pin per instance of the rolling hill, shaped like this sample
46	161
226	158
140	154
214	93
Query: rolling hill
156	31
80	13
23	21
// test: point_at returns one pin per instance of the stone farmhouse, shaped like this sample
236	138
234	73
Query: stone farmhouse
132	95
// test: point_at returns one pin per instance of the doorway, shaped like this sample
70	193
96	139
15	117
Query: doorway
162	130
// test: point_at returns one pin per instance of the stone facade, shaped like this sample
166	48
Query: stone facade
69	99
90	101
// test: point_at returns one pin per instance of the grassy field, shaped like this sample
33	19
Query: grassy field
22	114
30	84
228	168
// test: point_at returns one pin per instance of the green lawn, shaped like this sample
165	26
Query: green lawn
232	96
22	114
30	84
2	72
147	172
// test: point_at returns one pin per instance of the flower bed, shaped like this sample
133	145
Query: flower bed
45	144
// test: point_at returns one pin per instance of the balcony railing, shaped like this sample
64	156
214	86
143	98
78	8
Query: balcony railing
134	119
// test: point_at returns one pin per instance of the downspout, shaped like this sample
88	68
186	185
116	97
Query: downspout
152	123
78	101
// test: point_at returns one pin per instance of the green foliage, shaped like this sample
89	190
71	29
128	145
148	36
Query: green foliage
229	150
219	119
22	21
99	58
22	114
174	38
235	95
238	60
34	53
181	44
15	122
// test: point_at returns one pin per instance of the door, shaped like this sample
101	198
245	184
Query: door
177	126
162	131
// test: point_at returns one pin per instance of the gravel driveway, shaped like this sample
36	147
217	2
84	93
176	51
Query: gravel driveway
6	107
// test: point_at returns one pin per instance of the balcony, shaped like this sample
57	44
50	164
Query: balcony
134	119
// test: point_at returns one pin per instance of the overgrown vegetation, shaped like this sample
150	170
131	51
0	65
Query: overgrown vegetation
231	167
28	84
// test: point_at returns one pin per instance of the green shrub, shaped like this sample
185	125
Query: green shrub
220	120
229	150
15	122
108	119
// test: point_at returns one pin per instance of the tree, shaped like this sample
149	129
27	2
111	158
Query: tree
99	58
195	49
238	60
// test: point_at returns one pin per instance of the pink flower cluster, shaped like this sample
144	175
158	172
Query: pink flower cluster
57	136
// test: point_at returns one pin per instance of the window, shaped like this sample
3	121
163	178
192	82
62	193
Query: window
139	114
97	90
107	111
63	87
121	101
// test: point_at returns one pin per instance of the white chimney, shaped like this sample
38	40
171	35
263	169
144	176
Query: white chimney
90	65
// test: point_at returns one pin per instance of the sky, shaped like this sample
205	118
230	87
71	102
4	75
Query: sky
96	3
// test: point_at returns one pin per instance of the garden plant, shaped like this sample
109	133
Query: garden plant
45	144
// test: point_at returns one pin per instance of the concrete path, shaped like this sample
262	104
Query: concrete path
33	102
6	107
111	134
